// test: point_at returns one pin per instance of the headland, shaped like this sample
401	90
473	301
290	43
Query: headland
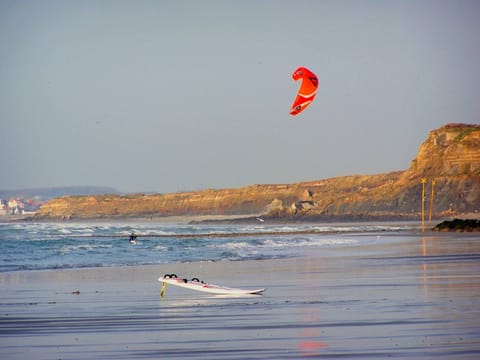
445	174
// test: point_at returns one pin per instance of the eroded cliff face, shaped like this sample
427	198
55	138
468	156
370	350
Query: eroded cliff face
453	150
450	156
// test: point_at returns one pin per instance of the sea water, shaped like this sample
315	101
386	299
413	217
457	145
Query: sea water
41	246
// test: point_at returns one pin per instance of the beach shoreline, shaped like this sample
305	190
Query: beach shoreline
407	296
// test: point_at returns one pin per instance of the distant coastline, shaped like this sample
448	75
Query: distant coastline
445	174
442	182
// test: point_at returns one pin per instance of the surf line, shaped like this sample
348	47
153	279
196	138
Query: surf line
221	235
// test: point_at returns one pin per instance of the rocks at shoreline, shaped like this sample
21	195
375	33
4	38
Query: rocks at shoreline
459	225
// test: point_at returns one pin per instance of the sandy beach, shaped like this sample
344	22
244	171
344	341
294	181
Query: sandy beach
413	296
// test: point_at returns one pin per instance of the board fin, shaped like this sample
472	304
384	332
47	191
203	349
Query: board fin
164	289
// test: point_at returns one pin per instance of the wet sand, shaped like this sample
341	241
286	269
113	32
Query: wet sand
407	297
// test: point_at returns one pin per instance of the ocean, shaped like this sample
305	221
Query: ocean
43	246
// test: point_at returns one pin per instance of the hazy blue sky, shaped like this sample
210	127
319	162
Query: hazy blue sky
182	95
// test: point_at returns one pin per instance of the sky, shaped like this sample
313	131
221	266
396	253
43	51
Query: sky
166	96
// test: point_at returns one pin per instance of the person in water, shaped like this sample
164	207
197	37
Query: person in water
133	238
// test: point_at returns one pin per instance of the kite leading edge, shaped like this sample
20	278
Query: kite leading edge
306	92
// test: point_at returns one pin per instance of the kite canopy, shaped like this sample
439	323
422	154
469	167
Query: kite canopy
306	92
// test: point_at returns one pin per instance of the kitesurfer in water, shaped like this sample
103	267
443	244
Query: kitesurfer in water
133	238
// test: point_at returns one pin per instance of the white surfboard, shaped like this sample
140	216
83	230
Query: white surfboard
196	284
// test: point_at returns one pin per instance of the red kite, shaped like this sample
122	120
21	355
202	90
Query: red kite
307	90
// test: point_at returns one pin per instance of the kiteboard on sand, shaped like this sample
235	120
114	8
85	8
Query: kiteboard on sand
196	284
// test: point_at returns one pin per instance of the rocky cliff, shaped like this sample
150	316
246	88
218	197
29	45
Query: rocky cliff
448	160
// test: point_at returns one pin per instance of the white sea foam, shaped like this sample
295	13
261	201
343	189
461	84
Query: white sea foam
64	231
231	245
82	247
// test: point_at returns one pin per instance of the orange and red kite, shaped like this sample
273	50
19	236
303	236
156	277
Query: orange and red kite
307	90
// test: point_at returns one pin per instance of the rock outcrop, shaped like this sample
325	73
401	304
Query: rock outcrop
449	160
459	225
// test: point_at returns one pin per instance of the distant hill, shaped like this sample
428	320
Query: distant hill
53	192
448	160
